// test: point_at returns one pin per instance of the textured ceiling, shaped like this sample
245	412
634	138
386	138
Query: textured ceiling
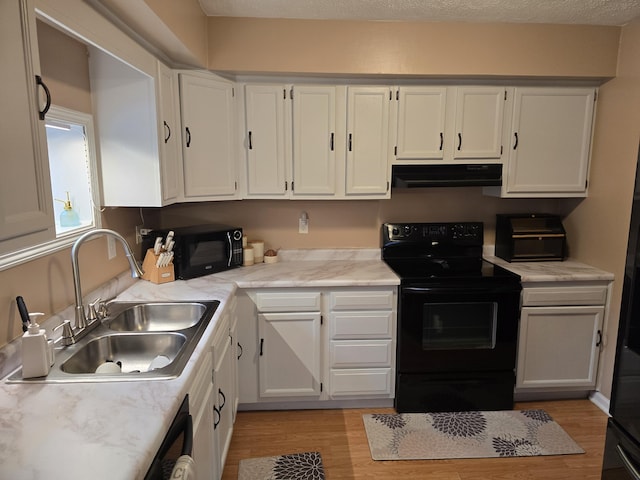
588	12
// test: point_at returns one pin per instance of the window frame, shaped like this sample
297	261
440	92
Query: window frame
65	240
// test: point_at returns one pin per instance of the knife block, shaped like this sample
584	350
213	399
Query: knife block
156	274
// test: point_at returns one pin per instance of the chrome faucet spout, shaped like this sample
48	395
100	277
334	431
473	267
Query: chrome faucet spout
136	271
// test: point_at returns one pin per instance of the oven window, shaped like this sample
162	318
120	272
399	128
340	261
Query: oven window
207	252
459	325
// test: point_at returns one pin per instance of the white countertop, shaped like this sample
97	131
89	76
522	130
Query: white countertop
112	430
565	271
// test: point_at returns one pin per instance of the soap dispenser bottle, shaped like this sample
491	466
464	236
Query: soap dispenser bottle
68	217
37	351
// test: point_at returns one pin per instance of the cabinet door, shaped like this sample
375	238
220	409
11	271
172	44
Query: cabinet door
551	139
25	191
314	152
265	142
223	394
421	122
207	106
479	117
289	354
559	347
170	155
368	141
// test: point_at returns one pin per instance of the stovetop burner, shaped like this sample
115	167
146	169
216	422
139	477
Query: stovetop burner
446	252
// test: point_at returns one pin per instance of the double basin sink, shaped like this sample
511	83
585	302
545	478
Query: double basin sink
141	341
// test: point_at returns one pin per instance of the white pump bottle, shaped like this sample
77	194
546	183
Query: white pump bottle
37	351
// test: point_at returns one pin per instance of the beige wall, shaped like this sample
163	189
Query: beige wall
411	48
346	224
600	224
47	283
187	22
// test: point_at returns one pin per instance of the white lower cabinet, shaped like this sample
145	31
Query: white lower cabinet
201	400
212	401
361	343
223	390
289	344
302	345
560	337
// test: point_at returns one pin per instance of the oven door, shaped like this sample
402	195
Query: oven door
458	328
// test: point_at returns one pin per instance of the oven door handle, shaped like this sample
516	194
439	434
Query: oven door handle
461	288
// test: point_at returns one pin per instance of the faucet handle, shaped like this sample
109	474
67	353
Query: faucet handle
68	337
103	310
93	314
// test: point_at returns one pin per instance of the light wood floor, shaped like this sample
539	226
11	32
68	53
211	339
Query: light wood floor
340	438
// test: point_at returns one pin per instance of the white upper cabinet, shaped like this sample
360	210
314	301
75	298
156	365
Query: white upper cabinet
265	142
548	150
421	122
550	142
478	122
437	124
368	168
314	140
208	137
169	124
26	211
129	108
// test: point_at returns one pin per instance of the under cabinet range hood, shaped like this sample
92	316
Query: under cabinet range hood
457	175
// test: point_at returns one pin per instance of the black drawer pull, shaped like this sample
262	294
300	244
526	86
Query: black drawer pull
261	345
224	399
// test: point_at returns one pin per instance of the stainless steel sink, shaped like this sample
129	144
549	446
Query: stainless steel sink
136	334
157	317
132	352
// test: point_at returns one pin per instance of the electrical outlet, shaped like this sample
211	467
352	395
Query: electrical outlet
303	226
140	232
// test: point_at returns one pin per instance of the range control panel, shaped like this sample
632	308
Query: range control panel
456	233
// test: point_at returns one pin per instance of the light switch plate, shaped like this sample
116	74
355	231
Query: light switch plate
303	226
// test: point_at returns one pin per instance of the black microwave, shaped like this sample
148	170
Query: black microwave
201	249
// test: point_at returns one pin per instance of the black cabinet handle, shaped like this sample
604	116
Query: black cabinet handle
350	138
241	350
261	345
599	341
224	399
188	137
168	129
515	145
43	112
441	140
250	142
216	422
331	142
459	141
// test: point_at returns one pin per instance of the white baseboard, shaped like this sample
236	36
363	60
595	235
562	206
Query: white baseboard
600	401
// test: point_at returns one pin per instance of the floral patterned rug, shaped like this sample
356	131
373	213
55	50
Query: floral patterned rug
295	466
511	433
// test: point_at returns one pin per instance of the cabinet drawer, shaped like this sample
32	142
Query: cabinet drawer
547	296
360	325
288	301
362	300
360	353
370	381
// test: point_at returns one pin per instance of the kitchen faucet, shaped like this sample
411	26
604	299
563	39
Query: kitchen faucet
136	271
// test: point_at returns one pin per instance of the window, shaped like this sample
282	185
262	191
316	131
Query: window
73	169
71	152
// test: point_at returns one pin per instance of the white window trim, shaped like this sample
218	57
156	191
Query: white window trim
43	249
